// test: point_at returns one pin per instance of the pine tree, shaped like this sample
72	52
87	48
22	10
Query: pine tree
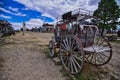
107	14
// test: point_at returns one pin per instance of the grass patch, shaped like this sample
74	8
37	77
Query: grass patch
2	42
46	51
10	43
90	72
113	78
116	41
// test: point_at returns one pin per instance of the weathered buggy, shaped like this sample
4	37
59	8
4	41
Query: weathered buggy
78	39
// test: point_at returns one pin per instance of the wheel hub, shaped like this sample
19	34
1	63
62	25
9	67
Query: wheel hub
68	53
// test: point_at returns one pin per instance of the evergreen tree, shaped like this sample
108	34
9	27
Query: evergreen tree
107	15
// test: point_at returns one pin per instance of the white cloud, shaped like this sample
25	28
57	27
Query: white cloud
25	9
55	8
118	2
13	9
3	16
17	26
17	14
32	23
20	14
47	15
119	19
50	22
4	10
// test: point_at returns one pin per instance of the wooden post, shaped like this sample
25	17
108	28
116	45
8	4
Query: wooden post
24	28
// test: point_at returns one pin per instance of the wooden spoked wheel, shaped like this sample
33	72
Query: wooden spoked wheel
71	54
51	48
102	52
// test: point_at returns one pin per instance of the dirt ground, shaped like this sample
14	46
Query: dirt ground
114	64
24	58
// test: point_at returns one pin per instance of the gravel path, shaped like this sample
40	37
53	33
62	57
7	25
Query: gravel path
24	59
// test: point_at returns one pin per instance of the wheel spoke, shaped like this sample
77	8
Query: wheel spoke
101	42
91	58
98	59
63	54
106	45
101	57
104	55
76	52
88	56
97	41
72	44
71	65
63	50
65	43
95	58
67	59
63	46
75	47
78	58
76	62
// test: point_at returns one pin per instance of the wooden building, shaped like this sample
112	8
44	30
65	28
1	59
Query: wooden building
47	27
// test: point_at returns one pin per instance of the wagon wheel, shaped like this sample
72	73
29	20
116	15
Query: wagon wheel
51	48
71	54
103	57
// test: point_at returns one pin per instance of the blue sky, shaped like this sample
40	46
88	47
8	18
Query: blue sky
17	12
36	12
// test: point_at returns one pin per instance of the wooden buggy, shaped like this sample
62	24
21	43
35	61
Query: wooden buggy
78	39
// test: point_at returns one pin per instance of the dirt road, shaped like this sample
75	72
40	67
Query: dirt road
24	58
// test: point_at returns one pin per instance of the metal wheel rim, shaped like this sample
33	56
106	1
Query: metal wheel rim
51	49
100	58
72	61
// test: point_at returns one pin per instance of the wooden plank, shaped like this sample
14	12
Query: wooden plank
57	61
96	49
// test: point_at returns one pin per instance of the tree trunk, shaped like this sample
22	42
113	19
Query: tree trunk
102	31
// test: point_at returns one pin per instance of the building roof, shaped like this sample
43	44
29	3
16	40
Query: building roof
46	24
